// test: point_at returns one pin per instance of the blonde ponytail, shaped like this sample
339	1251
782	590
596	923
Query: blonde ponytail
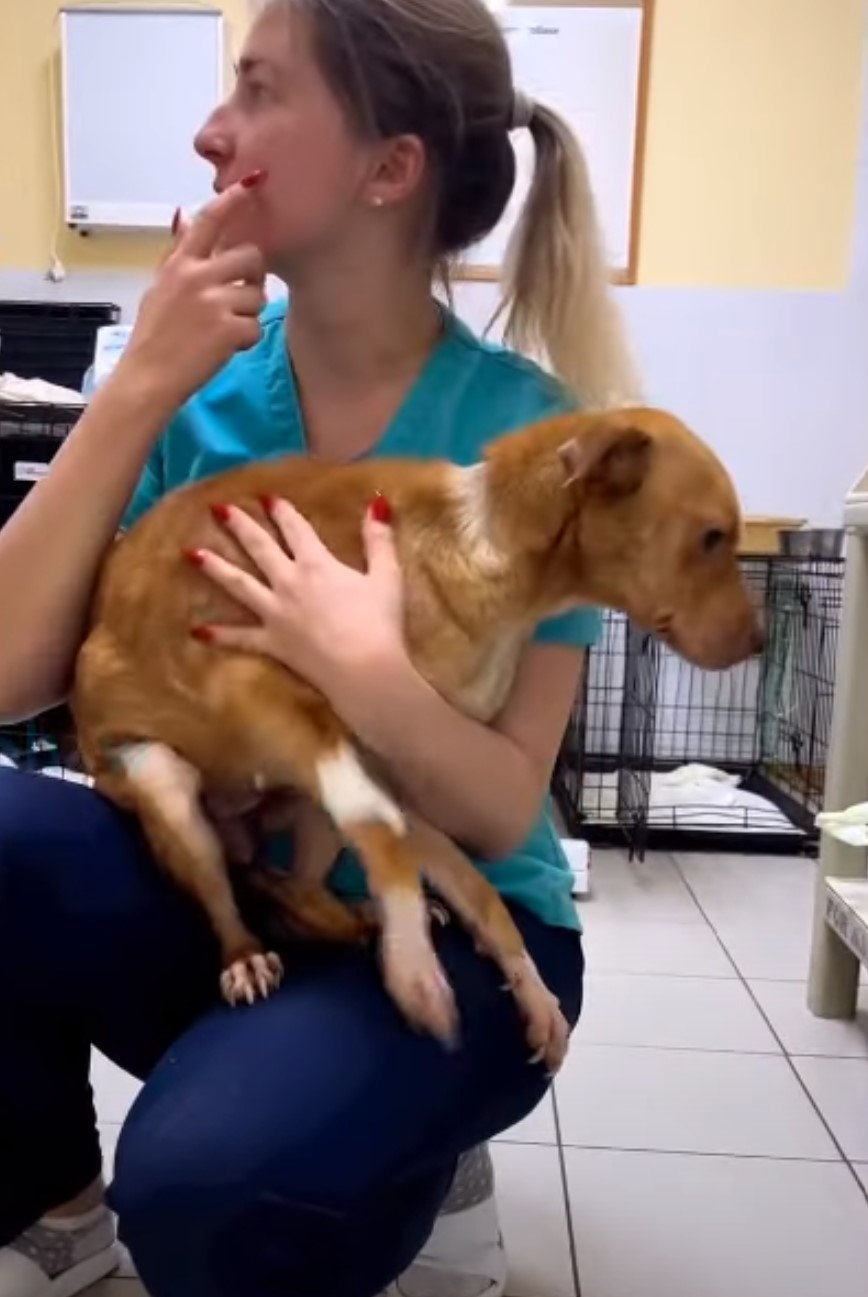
441	70
557	303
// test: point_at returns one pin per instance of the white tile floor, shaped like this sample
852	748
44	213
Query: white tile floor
708	1136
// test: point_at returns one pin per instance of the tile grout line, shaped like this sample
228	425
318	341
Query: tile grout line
694	977
565	1186
693	1152
795	1071
707	1049
716	1049
525	1143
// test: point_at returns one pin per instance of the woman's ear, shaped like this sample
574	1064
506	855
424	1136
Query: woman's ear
398	171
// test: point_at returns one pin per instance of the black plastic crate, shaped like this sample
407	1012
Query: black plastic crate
52	340
30	437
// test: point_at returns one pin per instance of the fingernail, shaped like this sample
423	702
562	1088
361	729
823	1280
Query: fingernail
220	512
176	221
380	509
194	556
255	178
204	634
269	503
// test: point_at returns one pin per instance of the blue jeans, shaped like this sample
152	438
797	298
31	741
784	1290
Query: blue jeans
299	1148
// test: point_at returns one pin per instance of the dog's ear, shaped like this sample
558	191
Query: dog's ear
611	457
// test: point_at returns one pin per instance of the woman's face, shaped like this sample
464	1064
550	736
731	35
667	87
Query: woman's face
283	118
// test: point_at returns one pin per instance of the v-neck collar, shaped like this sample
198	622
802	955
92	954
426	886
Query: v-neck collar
406	428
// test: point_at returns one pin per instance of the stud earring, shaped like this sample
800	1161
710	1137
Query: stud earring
377	200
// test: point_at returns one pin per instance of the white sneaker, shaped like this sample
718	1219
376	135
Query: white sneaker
465	1256
60	1258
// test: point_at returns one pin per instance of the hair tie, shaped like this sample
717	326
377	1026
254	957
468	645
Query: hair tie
523	108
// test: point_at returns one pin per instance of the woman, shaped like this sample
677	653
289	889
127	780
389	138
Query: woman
305	1146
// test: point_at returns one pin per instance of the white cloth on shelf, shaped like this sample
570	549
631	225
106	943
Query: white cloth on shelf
850	825
36	391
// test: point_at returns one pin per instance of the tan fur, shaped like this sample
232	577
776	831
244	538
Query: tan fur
608	510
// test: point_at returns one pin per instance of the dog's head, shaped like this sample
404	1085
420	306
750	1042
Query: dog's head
652	527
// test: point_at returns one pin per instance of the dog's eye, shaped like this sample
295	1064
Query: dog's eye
713	539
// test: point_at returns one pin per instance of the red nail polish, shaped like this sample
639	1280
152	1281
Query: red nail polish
269	503
204	634
176	221
380	509
255	178
194	556
220	512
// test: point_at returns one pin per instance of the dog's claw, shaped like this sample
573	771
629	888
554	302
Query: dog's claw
270	978
547	1033
250	977
546	1029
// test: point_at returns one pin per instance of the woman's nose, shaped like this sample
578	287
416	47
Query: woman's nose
212	141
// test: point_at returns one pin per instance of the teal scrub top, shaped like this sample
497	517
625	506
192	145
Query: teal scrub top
469	392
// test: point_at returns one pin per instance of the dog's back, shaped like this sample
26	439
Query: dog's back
140	675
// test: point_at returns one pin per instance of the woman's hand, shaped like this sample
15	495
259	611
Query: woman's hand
317	616
202	307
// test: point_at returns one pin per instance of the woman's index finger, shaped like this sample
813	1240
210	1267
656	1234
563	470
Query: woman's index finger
202	236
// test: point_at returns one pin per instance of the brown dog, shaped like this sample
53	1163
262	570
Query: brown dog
626	510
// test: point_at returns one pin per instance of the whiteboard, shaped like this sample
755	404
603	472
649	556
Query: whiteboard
585	62
137	85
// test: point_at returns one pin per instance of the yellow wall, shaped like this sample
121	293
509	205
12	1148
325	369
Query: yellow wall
752	139
30	203
753	136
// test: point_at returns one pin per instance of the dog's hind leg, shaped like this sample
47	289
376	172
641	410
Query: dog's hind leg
482	911
301	743
164	790
372	823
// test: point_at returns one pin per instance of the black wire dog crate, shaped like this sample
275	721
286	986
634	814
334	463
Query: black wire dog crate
30	437
659	753
52	340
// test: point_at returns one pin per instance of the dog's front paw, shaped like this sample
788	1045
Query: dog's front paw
251	977
547	1033
546	1029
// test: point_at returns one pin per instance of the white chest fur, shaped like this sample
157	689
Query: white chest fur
487	688
469	488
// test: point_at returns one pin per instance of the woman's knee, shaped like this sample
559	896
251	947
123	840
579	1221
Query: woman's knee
175	1193
198	1149
195	1199
158	1177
